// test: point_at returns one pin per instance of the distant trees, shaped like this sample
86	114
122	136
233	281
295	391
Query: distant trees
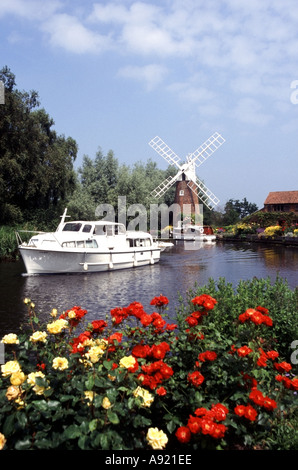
102	180
36	164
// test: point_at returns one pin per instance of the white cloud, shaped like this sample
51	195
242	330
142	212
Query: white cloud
68	32
150	75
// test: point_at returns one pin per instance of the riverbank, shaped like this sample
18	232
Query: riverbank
254	238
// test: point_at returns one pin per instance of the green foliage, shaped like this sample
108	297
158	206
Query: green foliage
36	164
219	377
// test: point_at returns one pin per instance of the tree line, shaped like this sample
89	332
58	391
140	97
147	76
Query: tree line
38	178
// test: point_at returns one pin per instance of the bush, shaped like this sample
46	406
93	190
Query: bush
212	379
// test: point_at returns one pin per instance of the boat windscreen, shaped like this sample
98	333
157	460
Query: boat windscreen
72	227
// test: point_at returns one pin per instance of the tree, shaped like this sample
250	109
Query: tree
235	210
36	164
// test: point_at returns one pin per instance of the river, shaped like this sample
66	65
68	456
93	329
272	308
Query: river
179	269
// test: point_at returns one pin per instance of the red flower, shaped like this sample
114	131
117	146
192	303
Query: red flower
159	301
161	391
207	356
141	350
118	315
269	404
194	424
219	412
247	411
183	434
244	351
257	397
205	301
98	325
282	366
159	351
195	378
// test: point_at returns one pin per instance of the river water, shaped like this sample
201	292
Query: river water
179	269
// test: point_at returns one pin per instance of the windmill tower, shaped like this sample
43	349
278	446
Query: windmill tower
189	189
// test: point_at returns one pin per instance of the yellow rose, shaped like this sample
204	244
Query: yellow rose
71	314
17	378
31	379
57	326
12	392
54	313
89	395
38	336
11	338
60	363
106	404
147	397
94	353
156	438
127	362
2	441
10	368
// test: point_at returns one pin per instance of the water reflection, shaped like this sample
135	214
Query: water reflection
178	271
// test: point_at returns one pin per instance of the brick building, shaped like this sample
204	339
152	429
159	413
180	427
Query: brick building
281	201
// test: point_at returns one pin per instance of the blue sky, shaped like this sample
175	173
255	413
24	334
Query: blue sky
114	74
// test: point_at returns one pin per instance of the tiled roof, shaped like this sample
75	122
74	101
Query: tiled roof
282	197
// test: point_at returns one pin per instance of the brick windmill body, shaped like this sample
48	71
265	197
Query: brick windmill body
190	192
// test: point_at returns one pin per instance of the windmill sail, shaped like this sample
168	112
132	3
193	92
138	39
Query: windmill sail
200	155
187	169
204	194
160	147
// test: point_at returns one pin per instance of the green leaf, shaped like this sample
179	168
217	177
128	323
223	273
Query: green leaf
113	417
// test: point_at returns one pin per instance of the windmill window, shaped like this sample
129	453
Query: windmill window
181	192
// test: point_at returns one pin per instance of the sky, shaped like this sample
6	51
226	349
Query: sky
114	74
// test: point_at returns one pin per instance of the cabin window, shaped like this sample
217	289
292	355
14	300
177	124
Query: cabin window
87	228
91	244
72	227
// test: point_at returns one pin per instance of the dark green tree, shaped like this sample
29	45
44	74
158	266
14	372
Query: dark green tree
36	164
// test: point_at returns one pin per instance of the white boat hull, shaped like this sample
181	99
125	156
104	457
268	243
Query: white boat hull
50	262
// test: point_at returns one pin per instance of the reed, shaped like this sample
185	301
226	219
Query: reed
8	243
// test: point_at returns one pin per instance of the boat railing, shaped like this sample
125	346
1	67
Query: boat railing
19	238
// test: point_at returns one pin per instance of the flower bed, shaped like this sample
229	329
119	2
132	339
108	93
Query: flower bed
140	380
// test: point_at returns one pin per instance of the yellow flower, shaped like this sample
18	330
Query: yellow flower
127	362
54	313
38	336
11	338
2	441
156	438
71	314
31	379
95	353
89	395
60	363
26	301
12	392
147	397
17	378
106	404
10	368
57	326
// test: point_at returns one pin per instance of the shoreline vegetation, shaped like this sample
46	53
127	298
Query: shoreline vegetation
238	233
220	373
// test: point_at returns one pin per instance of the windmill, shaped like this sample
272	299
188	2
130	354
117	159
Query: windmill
189	189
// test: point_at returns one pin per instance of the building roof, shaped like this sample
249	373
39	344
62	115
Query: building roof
282	197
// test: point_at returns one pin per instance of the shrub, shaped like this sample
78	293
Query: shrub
212	379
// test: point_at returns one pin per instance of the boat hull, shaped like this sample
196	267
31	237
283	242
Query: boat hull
39	261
